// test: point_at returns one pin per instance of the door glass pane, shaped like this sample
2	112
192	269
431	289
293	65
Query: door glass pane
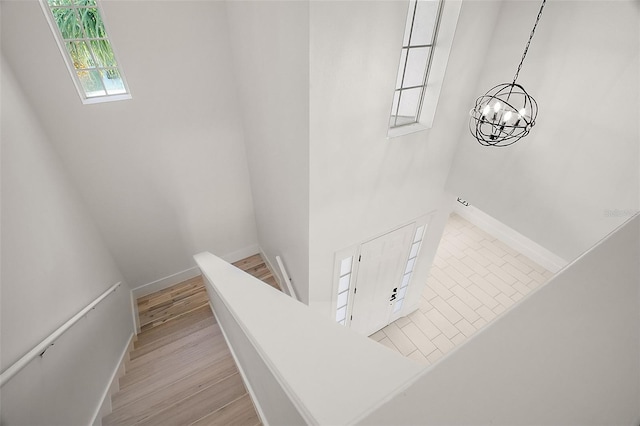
414	250
425	22
402	292
419	233
345	266
410	264
341	314
343	284
398	306
103	53
416	67
342	299
405	280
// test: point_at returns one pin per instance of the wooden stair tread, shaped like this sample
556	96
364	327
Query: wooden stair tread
167	328
175	309
200	404
136	410
171	337
176	289
240	412
249	262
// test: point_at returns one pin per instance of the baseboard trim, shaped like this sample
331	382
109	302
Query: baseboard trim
105	403
187	274
165	282
512	238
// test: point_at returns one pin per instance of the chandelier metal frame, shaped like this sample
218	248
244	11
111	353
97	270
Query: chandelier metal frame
506	113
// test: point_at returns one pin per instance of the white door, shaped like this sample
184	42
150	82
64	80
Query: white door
381	265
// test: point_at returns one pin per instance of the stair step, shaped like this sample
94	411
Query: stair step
171	349
249	262
174	326
170	338
150	384
174	310
132	410
200	404
191	353
240	412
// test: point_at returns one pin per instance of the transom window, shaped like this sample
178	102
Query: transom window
80	32
420	35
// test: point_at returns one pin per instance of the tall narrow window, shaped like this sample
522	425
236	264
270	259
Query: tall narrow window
81	35
420	36
344	284
408	271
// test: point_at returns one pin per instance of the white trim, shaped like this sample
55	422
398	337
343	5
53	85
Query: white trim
394	132
165	282
273	270
105	406
178	277
512	238
134	312
247	383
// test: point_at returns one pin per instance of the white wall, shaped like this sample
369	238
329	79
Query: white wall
569	354
54	263
164	174
363	184
581	160
271	64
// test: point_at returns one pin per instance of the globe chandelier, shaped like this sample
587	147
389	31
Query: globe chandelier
506	113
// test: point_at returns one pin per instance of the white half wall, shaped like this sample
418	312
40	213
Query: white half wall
576	176
54	263
569	354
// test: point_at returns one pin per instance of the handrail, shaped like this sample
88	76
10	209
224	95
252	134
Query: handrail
42	347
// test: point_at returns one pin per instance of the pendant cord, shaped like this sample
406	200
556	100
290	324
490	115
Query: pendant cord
529	42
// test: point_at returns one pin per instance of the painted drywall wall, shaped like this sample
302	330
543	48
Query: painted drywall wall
271	64
363	184
576	176
568	354
164	174
54	263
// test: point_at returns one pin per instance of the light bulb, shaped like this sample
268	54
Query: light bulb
496	107
507	116
522	112
486	110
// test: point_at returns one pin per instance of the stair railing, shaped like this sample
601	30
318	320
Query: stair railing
42	347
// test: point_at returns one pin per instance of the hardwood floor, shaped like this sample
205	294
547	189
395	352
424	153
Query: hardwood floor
181	371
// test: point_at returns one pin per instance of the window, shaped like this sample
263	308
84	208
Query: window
81	35
427	41
413	254
344	284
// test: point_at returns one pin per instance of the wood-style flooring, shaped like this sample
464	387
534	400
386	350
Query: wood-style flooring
181	371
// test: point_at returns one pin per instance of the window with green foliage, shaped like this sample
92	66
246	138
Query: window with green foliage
81	35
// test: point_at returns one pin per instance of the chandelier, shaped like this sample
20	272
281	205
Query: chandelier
506	113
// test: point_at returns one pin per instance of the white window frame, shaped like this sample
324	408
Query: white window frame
69	62
438	65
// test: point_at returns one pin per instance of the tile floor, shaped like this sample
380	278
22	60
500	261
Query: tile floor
473	280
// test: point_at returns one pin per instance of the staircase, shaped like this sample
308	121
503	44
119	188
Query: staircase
181	371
